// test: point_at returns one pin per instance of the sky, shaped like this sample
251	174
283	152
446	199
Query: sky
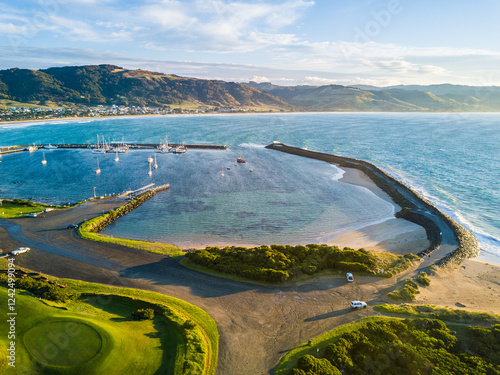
285	42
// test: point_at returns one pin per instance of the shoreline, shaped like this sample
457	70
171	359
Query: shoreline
238	113
388	234
441	229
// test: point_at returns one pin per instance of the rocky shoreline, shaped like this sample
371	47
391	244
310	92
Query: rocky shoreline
98	224
416	208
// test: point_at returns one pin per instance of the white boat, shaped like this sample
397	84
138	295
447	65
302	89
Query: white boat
50	147
121	147
164	147
98	170
32	148
181	149
222	174
150	173
150	159
44	161
102	148
97	148
116	157
156	165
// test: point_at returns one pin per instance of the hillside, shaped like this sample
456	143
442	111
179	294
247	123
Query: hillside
434	98
109	84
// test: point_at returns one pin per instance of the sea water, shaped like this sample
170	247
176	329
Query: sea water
452	159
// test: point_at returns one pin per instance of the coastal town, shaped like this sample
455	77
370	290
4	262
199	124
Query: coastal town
40	113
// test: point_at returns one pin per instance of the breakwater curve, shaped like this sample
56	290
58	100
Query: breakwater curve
439	226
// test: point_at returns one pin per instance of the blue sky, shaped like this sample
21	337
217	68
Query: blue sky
286	42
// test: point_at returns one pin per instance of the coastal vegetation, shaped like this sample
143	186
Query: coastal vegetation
10	209
442	313
279	263
90	229
397	346
410	288
177	338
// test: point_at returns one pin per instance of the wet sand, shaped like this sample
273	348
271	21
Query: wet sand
398	236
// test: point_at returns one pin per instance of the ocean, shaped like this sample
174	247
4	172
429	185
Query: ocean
452	159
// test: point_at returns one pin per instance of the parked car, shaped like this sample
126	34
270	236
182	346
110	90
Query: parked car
72	226
349	277
20	250
358	305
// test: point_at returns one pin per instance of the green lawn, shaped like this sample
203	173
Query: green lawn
12	210
82	338
93	333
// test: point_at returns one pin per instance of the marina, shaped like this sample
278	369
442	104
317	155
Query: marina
112	147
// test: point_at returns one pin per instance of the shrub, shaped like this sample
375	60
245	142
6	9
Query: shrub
407	292
143	314
422	279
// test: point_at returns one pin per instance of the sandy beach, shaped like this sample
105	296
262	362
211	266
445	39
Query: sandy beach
474	285
398	236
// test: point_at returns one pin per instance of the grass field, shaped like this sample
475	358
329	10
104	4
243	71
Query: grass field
81	338
12	210
93	333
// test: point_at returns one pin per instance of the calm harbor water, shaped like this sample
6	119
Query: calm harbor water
453	159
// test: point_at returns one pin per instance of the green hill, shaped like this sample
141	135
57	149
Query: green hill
434	98
109	84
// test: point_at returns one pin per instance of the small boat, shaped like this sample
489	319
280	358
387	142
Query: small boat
50	147
150	159
181	149
44	161
116	157
98	170
150	173
32	148
228	168
164	148
101	149
241	160
156	165
222	174
251	170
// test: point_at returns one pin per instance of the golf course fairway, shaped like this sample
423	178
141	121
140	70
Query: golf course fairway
93	333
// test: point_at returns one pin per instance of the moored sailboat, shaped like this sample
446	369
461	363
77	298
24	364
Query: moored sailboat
98	170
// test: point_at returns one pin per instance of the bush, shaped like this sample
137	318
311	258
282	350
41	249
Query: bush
409	346
143	314
422	279
278	263
407	292
309	365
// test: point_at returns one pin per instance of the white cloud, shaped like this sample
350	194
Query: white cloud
260	79
168	14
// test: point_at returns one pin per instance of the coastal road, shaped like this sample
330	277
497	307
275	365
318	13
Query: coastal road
257	324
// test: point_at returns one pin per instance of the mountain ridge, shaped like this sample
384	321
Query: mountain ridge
107	84
111	84
410	98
